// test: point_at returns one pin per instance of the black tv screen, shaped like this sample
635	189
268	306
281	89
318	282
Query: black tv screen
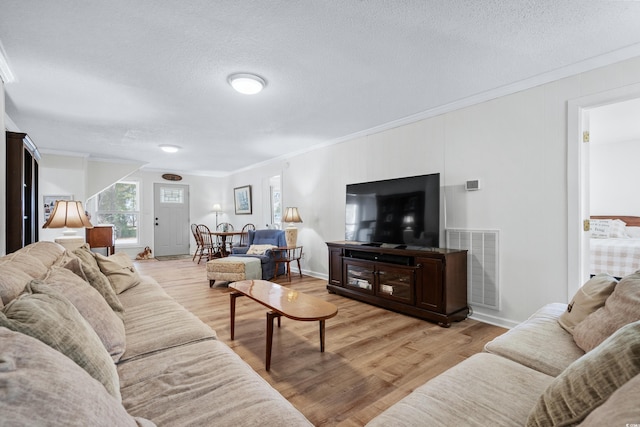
402	211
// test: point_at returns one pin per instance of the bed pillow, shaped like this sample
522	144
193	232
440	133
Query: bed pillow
44	387
617	229
599	228
43	313
619	309
259	249
92	307
589	381
590	297
633	232
119	270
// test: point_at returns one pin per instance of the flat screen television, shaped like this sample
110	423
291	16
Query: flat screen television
401	212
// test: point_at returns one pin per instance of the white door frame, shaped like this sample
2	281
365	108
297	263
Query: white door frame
577	183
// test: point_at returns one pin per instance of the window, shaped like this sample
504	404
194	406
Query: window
119	205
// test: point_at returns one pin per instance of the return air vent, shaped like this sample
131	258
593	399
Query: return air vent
482	264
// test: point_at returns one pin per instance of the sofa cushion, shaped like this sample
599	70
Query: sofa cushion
589	381
539	342
590	297
12	282
43	313
119	270
619	409
41	386
204	384
91	306
619	309
48	253
154	321
26	263
483	390
97	279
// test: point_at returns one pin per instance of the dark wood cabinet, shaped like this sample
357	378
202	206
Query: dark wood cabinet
101	236
22	191
430	284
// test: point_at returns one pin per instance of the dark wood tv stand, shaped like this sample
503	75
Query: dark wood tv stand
429	283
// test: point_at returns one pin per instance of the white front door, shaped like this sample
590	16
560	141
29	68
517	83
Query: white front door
171	219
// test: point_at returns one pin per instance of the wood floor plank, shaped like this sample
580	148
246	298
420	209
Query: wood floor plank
373	357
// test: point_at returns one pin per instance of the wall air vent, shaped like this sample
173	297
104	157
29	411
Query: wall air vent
482	264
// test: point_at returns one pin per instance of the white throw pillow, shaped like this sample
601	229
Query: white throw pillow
617	229
600	228
259	249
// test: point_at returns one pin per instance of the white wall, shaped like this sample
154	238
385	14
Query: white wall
515	144
614	170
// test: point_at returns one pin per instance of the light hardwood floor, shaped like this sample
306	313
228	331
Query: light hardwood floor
373	357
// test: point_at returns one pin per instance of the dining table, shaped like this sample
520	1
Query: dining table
223	239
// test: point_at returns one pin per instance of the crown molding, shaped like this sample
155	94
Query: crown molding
6	74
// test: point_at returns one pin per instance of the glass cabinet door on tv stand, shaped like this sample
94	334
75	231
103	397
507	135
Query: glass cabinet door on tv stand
385	281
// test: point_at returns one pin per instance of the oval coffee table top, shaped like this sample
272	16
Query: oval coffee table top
286	301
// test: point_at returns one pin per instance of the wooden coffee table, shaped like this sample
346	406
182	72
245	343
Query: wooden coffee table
283	302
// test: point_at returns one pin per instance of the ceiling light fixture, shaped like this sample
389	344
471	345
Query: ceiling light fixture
247	84
168	148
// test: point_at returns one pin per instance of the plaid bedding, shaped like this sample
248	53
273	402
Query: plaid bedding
617	257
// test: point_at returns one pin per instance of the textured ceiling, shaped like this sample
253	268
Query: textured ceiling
116	79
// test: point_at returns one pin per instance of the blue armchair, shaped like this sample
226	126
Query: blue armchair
267	262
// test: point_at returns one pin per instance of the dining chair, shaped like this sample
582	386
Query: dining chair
209	247
244	237
196	236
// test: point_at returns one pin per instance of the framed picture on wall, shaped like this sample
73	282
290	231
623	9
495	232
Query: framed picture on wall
50	204
242	199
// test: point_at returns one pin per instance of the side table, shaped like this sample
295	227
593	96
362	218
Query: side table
284	255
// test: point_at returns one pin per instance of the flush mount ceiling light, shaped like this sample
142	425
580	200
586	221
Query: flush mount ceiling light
247	84
168	148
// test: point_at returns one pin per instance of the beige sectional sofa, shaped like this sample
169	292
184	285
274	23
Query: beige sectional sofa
538	374
121	354
113	348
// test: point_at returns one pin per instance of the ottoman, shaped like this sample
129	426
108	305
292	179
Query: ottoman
233	269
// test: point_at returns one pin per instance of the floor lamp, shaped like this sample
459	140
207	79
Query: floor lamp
217	209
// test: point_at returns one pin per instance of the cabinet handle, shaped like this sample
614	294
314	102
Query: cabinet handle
419	265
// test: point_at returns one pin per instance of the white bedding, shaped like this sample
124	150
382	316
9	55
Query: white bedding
617	257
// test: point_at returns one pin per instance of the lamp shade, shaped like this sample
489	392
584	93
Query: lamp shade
217	207
68	213
291	215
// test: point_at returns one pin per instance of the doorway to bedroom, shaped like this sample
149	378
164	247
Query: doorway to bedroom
604	145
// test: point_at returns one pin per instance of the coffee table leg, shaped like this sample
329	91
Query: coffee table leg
232	301
322	336
270	316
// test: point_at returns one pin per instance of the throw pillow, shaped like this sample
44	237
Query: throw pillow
589	381
119	270
619	409
599	228
99	281
41	386
619	309
590	297
259	249
26	263
87	257
43	313
91	306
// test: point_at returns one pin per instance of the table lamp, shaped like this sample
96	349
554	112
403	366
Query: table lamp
68	214
291	216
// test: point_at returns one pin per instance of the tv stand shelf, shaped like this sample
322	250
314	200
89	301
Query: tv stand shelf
429	283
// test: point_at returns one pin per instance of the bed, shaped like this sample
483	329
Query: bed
615	245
